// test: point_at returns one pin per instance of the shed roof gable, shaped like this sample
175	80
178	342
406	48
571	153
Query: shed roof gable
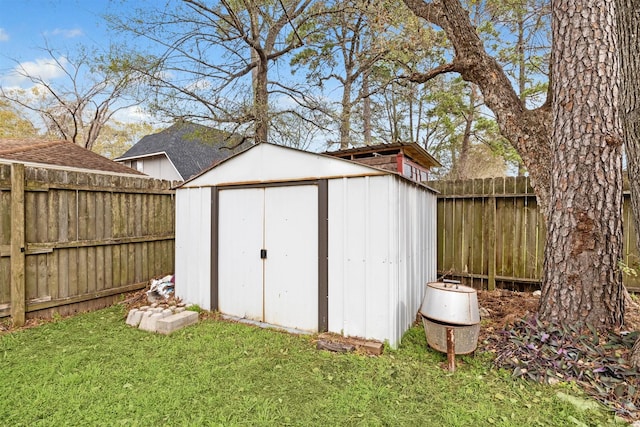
274	163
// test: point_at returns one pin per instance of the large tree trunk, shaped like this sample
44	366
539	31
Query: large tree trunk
628	20
584	229
577	173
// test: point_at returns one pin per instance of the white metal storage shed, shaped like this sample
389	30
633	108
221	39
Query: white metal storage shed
306	241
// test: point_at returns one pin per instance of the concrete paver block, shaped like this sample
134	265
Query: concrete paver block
149	323
134	317
176	321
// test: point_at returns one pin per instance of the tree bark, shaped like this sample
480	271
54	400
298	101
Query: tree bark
628	21
582	282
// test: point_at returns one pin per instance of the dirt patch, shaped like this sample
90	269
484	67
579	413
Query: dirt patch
505	307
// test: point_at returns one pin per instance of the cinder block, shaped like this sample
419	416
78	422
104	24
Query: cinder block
134	317
176	321
149	322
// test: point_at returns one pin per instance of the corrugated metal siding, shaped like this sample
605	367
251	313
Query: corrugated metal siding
381	254
416	251
193	246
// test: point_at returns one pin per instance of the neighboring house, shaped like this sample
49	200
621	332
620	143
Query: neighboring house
407	159
57	153
181	151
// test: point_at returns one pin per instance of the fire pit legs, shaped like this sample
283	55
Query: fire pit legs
451	350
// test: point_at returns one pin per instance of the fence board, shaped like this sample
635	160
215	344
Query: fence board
5	276
53	275
43	285
72	279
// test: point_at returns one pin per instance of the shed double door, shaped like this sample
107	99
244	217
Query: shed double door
268	255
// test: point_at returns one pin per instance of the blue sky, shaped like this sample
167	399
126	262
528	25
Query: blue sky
25	26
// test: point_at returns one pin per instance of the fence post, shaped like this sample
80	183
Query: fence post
18	294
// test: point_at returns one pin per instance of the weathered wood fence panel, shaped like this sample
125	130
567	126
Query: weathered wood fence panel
491	234
87	237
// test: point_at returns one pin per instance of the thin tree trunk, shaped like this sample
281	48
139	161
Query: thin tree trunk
419	119
522	77
581	281
261	102
345	115
366	109
522	70
461	169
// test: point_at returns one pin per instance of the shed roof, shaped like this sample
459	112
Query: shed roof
265	162
270	162
413	150
190	147
59	153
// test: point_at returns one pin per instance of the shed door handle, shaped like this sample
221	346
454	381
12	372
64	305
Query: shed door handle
263	254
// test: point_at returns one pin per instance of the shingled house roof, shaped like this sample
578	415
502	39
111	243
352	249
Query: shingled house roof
189	146
59	153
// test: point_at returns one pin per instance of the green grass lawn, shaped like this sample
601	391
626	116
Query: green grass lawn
92	369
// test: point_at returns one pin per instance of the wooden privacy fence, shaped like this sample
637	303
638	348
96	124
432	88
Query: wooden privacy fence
491	234
71	241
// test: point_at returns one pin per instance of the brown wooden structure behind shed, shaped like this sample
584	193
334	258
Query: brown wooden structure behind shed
407	159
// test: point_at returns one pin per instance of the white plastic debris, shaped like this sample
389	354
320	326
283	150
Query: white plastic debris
161	289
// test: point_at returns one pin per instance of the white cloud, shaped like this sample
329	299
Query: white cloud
47	69
4	36
133	114
65	32
44	68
